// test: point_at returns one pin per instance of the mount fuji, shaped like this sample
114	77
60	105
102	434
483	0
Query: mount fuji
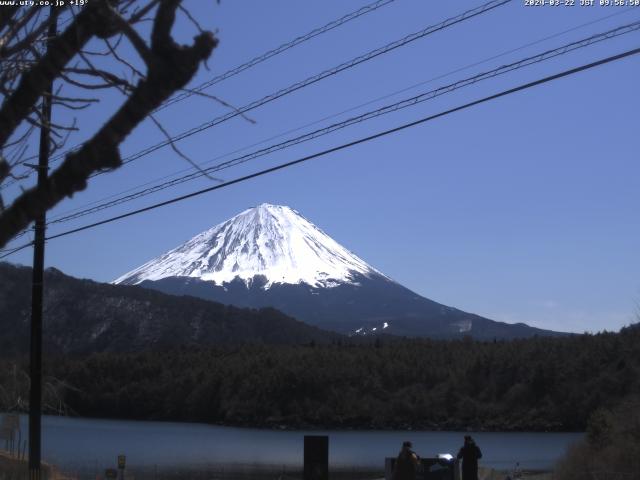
272	256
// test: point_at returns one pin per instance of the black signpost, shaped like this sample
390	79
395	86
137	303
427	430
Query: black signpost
122	460
316	457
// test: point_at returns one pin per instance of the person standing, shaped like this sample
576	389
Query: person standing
470	454
406	464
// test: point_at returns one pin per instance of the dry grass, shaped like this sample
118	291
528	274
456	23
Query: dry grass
485	473
12	468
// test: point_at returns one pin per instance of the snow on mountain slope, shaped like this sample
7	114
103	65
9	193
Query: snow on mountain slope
270	240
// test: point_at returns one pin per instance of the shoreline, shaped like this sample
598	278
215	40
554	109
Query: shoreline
79	443
302	427
233	471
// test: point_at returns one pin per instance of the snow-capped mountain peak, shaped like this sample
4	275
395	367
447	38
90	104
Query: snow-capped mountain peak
268	240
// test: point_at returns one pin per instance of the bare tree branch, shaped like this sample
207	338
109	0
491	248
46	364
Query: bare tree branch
170	67
221	102
180	153
112	49
13	30
110	79
137	16
6	15
27	40
32	83
191	18
135	39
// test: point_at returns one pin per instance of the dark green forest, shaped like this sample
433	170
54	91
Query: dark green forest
541	384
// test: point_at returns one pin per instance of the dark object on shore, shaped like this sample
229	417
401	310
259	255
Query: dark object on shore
406	465
470	454
443	467
316	457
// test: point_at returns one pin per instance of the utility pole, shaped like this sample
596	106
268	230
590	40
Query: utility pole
35	366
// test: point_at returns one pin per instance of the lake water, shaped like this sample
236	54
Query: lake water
96	443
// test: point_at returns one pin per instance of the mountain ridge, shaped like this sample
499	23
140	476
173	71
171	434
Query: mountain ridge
374	307
83	316
271	255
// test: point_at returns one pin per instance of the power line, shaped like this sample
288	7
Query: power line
272	53
480	62
329	117
321	76
310	80
405	103
245	66
11	251
503	93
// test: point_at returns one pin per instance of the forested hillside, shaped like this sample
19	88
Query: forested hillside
535	384
82	316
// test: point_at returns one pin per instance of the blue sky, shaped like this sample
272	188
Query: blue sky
524	209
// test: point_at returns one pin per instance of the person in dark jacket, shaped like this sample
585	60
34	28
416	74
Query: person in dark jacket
469	453
406	464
